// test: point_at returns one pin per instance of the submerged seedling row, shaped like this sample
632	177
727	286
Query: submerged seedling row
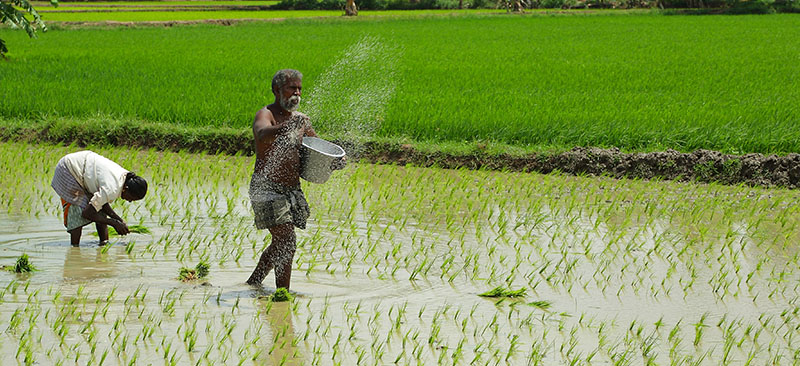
393	262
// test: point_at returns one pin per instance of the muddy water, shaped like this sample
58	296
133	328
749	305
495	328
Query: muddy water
391	265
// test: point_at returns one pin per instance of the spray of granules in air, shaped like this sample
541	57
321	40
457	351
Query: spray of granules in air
348	100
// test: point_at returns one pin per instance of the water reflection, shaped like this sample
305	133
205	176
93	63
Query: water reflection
280	346
89	263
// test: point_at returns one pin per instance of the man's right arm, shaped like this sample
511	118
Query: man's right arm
264	127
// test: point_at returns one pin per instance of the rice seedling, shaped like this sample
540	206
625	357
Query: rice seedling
541	304
22	265
281	295
501	291
137	229
200	271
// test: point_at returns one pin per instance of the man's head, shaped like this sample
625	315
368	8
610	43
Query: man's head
135	187
287	84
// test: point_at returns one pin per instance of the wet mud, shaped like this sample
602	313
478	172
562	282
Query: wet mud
700	166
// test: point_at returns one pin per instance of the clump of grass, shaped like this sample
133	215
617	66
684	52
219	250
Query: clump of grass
281	295
198	272
23	265
501	291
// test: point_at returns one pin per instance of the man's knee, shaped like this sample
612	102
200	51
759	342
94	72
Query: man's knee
283	232
284	243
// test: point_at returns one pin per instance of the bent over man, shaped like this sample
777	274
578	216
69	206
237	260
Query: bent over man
275	194
87	183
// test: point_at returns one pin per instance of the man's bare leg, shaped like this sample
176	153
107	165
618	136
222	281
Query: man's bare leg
284	258
283	244
262	268
102	232
75	237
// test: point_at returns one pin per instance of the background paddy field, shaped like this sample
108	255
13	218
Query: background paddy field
638	82
618	272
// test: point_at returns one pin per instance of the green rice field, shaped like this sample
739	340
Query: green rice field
638	82
392	266
400	264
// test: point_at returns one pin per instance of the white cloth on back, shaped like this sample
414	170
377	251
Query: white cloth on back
100	177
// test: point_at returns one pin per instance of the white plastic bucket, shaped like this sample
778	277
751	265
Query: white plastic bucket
316	158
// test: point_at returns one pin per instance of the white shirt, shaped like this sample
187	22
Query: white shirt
100	177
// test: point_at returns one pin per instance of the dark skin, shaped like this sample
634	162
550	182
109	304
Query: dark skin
278	135
102	222
273	121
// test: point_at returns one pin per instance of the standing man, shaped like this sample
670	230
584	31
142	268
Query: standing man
87	183
275	194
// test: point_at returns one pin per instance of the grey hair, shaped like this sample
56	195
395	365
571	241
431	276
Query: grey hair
283	76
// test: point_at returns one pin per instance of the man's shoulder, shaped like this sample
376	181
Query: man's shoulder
264	114
265	110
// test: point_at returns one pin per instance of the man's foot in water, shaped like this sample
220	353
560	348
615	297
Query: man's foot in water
258	275
253	283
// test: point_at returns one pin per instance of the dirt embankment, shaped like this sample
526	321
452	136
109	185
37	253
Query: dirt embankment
701	165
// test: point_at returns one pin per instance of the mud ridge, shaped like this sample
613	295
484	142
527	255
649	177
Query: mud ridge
700	166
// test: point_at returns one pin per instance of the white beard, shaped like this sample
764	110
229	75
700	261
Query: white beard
291	103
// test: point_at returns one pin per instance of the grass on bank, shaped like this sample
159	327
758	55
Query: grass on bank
635	82
232	141
703	166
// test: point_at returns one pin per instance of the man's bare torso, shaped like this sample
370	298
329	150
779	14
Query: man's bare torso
278	158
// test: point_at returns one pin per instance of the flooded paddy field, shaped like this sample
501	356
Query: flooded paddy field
389	271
